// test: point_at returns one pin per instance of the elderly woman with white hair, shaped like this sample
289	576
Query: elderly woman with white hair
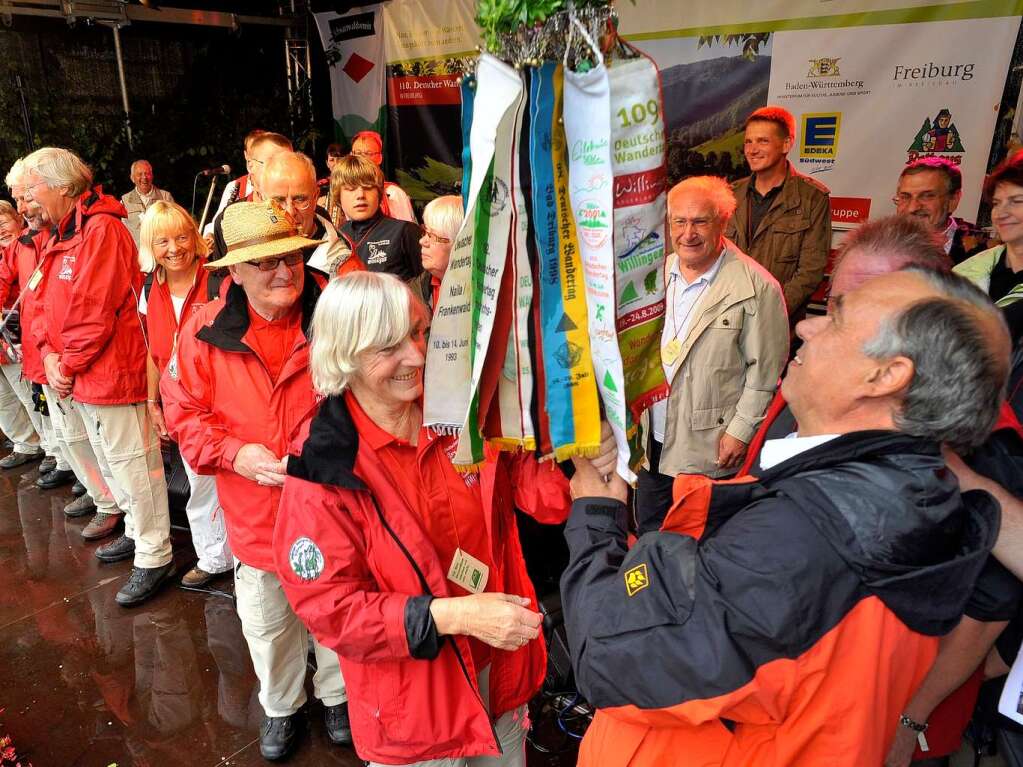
442	218
407	568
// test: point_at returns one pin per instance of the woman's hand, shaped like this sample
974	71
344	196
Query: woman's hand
900	754
499	620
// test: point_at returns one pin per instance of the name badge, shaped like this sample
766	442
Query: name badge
35	279
468	572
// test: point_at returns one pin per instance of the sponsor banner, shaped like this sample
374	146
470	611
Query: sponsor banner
355	49
867	100
849	210
430	90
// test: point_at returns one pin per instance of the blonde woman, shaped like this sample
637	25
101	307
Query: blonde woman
180	287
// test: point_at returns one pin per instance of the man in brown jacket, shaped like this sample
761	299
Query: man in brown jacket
724	344
783	218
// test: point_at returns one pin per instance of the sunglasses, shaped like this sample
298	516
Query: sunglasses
270	264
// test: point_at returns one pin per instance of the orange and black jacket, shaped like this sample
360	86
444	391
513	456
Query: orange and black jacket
776	622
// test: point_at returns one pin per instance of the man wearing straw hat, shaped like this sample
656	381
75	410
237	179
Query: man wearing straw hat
238	386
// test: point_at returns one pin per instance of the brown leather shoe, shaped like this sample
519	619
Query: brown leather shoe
101	526
197	577
79	507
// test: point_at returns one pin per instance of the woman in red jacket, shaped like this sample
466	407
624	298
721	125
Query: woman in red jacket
180	287
410	570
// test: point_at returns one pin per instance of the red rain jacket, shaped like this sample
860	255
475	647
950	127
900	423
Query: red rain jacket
219	396
412	695
16	267
161	325
90	303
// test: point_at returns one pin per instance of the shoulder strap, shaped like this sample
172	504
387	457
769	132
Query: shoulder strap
147	285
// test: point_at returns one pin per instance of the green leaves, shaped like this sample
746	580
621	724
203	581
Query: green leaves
504	17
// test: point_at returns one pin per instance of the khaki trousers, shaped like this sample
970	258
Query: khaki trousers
50	442
511	729
123	437
15	406
279	645
69	432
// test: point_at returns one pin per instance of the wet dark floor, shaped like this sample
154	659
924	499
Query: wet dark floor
85	683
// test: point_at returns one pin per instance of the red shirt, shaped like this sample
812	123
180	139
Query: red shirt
448	503
273	341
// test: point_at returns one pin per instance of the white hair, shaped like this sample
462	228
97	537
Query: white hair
712	188
60	168
360	312
15	173
444	215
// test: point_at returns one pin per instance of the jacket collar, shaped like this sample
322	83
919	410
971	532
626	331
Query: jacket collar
232	322
360	228
328	453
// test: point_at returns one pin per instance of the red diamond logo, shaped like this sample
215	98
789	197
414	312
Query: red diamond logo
357	67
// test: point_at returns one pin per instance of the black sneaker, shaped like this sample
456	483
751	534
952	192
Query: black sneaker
55	478
142	584
48	464
339	729
278	736
78	489
116	550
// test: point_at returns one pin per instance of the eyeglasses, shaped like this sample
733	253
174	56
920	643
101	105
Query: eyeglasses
904	198
298	202
270	264
434	237
30	187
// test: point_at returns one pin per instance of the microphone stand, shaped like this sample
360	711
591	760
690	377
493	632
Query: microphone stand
209	199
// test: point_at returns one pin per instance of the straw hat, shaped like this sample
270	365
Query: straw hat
255	230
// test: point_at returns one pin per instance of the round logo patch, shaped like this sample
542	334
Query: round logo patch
306	559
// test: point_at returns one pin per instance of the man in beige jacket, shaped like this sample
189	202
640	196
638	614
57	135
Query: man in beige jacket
723	348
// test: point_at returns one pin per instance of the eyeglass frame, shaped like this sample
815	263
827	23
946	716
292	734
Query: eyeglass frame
262	264
436	239
282	201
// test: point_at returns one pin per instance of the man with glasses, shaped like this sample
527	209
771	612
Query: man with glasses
929	190
236	390
723	347
396	203
289	180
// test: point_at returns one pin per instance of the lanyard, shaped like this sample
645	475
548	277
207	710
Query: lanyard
355	248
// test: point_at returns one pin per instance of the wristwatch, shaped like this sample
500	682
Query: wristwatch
918	728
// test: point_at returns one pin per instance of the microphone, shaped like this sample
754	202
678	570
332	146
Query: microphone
222	170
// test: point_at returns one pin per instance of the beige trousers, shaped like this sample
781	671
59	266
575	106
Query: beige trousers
511	729
69	432
123	437
15	406
279	645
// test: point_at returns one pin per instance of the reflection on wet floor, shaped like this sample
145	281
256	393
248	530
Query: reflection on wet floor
89	683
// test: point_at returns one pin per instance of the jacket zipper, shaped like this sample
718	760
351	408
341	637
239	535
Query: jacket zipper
426	588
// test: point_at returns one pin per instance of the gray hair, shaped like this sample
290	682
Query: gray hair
360	312
899	241
713	188
60	168
15	173
959	373
444	215
137	163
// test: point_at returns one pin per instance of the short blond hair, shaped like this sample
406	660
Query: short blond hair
444	215
357	313
164	217
8	209
59	168
351	171
714	189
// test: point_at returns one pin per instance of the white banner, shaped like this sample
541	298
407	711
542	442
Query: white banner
869	99
356	42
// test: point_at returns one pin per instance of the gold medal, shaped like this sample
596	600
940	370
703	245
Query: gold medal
671	352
